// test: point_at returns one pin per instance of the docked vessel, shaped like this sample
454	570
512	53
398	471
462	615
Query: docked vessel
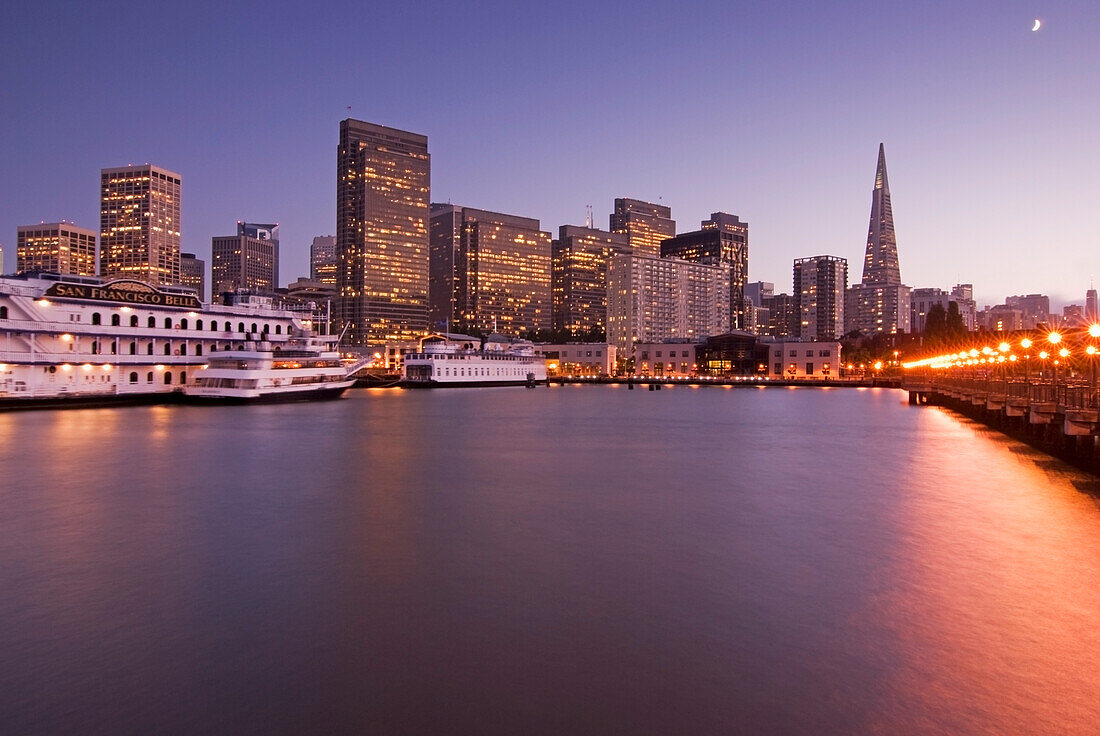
303	370
462	360
81	340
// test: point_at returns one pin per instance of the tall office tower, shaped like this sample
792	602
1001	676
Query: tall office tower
502	274
783	315
723	239
60	247
322	259
650	299
881	302
444	252
139	224
1091	313
1035	309
580	259
243	262
383	186
270	233
644	223
193	273
819	284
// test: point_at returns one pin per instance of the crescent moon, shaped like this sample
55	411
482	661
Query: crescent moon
1036	26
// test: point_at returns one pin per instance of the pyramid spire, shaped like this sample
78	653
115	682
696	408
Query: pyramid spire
880	264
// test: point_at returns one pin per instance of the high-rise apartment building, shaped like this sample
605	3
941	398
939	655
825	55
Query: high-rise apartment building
645	224
383	186
322	259
243	262
59	247
502	274
580	260
651	299
139	224
268	232
193	273
724	240
881	302
783	315
819	285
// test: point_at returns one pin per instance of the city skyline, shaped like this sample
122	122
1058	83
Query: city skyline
793	162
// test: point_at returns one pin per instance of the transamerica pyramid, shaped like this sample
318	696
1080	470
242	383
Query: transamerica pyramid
880	264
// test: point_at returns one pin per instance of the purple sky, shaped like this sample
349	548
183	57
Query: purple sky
771	111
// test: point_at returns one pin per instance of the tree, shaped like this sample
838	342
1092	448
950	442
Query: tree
935	325
955	328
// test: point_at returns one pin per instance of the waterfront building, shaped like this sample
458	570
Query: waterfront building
803	359
736	353
819	286
193	273
579	279
721	240
383	184
669	359
651	299
880	303
1035	309
139	224
57	247
322	259
501	274
645	224
591	359
243	261
269	233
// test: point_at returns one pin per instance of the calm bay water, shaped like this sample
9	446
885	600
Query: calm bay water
564	560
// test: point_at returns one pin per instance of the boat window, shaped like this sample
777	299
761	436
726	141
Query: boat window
167	348
167	323
213	325
198	324
278	328
133	377
95	347
149	377
183	349
240	327
150	348
183	324
3	312
152	321
265	329
228	327
96	318
133	348
198	350
253	327
183	377
133	320
167	377
116	320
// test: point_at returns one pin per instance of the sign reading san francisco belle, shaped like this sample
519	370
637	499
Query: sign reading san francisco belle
124	291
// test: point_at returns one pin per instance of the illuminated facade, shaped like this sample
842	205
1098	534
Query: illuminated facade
881	303
723	239
268	232
502	274
243	262
58	247
1091	313
645	224
803	359
580	259
139	224
819	285
322	259
193	273
652	299
383	183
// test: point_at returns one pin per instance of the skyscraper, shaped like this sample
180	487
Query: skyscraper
881	302
644	223
502	274
723	239
322	259
59	247
1091	313
581	256
139	224
444	252
243	262
193	273
268	232
383	183
819	284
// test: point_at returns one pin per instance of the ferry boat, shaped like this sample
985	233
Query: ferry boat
81	340
461	360
303	370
